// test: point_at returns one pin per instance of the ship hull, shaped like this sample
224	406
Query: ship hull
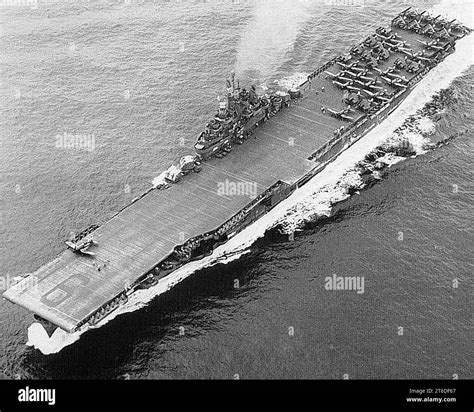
145	245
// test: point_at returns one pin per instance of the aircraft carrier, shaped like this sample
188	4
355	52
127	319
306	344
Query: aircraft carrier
275	141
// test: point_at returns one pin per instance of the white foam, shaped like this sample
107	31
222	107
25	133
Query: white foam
314	198
331	186
160	179
390	159
39	339
425	125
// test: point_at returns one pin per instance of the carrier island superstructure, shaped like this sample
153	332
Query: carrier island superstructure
278	141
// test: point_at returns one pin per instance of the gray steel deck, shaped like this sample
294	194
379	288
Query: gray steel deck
71	287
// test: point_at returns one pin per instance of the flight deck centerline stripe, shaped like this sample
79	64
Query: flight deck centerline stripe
319	103
194	193
214	193
210	200
282	140
227	173
157	217
222	174
309	133
238	206
255	160
312	121
233	175
174	216
146	219
213	201
124	235
157	237
218	173
213	217
117	254
315	113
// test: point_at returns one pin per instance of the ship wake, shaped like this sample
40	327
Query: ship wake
411	139
405	133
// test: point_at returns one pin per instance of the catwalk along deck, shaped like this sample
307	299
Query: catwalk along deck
183	220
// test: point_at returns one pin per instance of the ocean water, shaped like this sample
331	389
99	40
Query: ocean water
136	81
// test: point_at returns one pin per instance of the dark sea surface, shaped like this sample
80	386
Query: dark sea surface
142	78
